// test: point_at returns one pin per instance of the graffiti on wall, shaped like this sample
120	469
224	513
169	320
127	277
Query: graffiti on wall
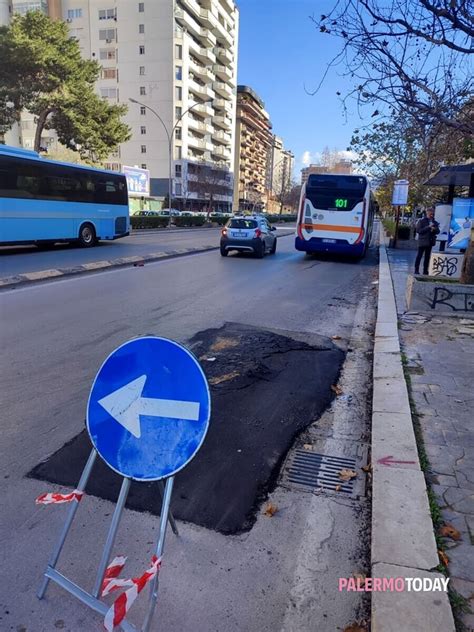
446	265
457	301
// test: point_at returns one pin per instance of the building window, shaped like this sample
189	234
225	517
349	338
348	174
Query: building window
142	91
142	70
141	50
107	53
107	14
142	110
177	188
74	13
141	7
109	73
143	165
178	51
177	153
141	28
107	34
178	111
178	171
178	133
179	72
143	149
142	129
179	93
108	93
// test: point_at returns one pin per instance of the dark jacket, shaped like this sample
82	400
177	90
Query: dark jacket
427	230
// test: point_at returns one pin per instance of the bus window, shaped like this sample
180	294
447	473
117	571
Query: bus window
335	193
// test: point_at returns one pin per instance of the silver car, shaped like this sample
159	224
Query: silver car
248	234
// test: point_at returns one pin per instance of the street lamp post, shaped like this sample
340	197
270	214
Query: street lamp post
169	136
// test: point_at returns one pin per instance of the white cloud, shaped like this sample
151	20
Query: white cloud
306	158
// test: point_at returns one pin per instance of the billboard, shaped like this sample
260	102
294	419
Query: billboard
462	220
138	181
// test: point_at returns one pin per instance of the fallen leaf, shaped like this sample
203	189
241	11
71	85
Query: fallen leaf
336	338
223	378
270	510
307	446
338	488
443	557
449	531
367	468
359	576
347	475
336	389
355	627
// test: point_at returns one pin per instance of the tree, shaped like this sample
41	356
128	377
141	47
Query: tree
411	55
43	72
402	147
211	180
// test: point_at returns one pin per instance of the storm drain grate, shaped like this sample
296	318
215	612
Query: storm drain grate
320	471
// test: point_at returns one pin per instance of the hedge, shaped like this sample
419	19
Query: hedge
148	221
273	219
189	220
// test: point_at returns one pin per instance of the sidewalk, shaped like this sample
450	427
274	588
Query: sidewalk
439	353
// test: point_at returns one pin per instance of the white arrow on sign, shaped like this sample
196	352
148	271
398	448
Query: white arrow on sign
126	405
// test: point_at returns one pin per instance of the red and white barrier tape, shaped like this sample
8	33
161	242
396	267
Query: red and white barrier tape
117	612
57	499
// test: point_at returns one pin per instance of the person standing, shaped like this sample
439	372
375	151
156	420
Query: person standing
427	228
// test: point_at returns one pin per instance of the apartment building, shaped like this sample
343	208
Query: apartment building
342	166
178	59
280	168
253	142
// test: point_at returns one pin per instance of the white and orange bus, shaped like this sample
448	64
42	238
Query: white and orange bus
336	215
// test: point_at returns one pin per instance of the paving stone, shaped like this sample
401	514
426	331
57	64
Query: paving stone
465	477
470	526
459	438
444	479
460	499
464	588
461	561
438	491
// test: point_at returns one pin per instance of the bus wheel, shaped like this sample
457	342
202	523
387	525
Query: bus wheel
87	236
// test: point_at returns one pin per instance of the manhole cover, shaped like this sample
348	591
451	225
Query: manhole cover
314	470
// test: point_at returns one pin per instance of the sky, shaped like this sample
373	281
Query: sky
282	55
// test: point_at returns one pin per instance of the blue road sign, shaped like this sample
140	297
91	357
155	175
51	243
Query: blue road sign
149	408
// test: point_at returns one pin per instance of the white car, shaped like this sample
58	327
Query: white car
165	212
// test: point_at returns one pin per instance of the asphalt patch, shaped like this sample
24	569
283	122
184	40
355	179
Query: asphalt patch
266	388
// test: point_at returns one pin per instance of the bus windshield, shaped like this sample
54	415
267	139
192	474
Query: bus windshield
335	192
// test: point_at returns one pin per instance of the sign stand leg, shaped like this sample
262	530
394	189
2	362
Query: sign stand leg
173	524
165	508
67	525
111	536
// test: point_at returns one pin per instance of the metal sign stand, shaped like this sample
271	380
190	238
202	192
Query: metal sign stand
91	599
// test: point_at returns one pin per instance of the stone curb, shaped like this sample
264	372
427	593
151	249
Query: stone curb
44	275
403	542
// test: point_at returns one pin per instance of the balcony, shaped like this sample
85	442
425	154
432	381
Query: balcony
205	55
192	6
199	126
224	55
224	73
201	71
201	91
221	152
221	137
185	20
209	39
222	121
203	110
223	89
199	143
222	104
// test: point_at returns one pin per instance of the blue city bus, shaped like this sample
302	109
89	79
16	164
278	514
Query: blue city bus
336	215
43	201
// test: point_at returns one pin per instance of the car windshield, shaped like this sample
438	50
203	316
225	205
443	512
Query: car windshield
242	223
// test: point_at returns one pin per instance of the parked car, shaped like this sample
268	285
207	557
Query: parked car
248	234
165	212
145	213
